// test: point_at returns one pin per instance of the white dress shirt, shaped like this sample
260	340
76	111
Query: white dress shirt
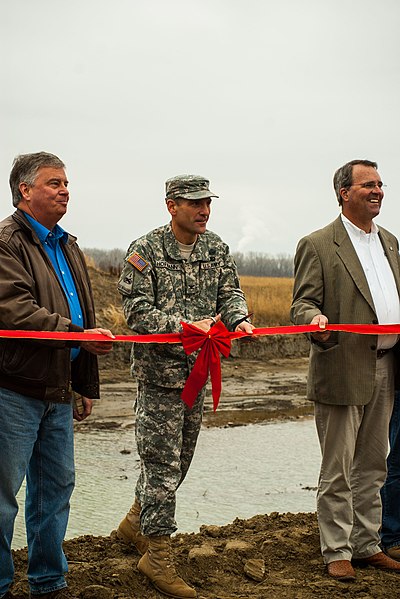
379	276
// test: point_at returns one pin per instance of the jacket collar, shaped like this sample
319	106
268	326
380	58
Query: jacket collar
19	217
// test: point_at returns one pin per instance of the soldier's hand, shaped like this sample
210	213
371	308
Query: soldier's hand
245	327
206	324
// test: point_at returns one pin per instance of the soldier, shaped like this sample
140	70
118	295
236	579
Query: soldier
178	272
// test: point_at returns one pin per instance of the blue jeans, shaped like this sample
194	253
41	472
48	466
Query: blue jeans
36	440
390	532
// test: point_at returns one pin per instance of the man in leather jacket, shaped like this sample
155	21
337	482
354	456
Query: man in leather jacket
44	287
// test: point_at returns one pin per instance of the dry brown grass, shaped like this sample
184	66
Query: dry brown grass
113	318
90	263
269	298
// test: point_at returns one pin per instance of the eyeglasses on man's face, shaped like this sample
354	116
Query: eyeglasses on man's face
369	185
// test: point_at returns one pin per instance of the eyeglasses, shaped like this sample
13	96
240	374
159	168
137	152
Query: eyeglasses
370	185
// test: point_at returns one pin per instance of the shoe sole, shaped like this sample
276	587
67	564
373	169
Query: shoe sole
169	594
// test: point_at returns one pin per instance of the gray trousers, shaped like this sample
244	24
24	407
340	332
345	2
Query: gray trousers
354	446
166	436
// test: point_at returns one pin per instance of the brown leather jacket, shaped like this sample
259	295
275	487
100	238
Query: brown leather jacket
31	298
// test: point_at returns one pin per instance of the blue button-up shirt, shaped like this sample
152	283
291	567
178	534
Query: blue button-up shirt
51	243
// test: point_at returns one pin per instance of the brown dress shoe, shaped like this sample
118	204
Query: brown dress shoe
394	552
341	570
379	560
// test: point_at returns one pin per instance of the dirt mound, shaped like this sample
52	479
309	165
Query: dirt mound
273	556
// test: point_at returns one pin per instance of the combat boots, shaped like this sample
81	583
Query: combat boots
158	565
129	529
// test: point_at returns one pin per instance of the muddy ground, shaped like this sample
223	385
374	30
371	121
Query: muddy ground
271	556
252	391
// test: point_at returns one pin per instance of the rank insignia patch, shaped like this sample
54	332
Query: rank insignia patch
137	261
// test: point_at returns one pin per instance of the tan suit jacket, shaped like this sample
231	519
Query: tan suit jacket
330	280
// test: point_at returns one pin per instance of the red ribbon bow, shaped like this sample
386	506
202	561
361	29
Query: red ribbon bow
217	340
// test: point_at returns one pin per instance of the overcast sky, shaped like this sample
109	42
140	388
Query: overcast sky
266	99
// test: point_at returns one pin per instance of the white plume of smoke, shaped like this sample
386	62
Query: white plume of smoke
255	235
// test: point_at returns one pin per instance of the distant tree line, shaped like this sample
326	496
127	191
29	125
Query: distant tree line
253	264
107	260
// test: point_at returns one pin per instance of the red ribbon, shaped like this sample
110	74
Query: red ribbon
211	344
361	329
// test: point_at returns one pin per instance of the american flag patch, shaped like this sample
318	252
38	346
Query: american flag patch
137	261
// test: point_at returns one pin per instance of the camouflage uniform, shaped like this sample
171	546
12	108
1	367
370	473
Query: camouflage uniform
160	289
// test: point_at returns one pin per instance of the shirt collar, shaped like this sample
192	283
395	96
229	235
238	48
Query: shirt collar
356	230
45	234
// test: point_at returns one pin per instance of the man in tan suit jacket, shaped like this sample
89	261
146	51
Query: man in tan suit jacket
349	272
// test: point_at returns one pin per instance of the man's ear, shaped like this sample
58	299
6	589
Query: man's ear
344	192
171	206
24	190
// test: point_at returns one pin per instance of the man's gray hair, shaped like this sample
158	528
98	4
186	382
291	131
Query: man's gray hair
25	169
344	176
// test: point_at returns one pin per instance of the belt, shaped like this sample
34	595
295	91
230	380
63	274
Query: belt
382	352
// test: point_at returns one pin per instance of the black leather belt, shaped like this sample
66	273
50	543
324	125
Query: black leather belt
382	352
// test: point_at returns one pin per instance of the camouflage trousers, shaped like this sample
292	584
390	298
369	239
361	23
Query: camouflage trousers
166	436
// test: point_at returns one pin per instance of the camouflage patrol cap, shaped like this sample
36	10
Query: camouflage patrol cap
188	187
